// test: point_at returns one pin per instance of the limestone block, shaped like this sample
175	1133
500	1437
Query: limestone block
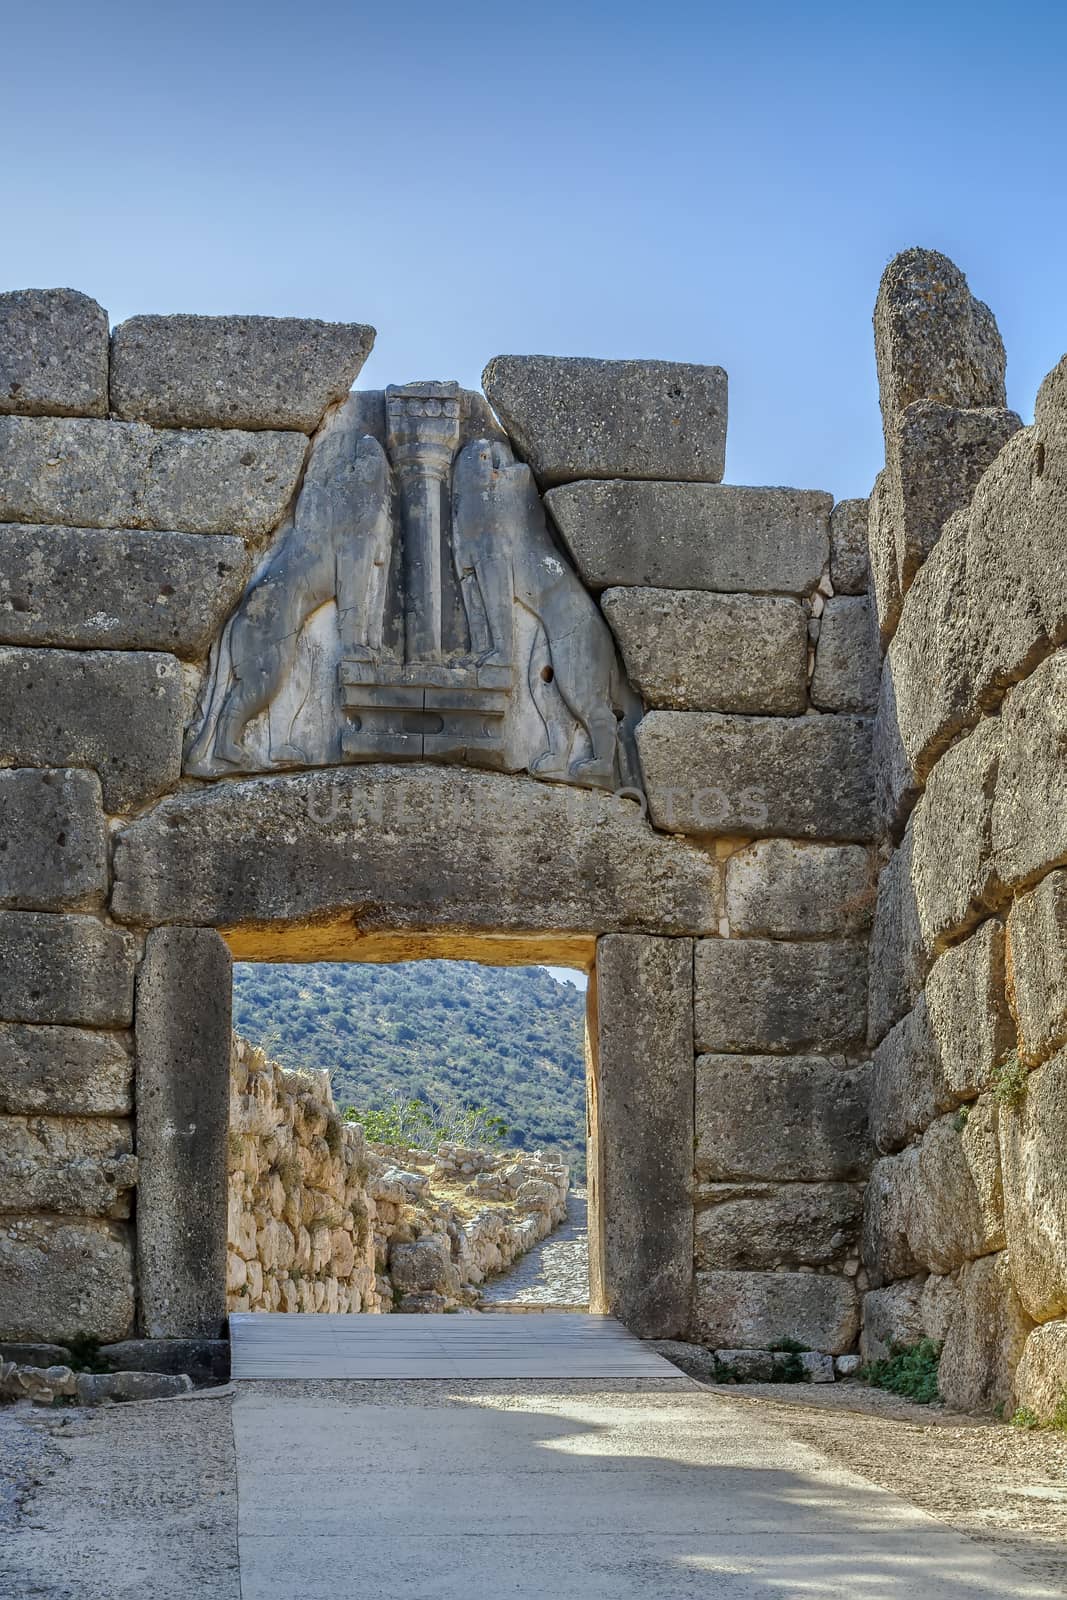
985	1340
758	1227
798	1119
892	1319
100	1388
848	547
64	969
53	354
1033	1149
692	651
233	372
882	516
694	536
1037	935
1029	816
707	774
204	1360
933	339
570	417
641	1121
969	1011
768	995
907	1087
753	1310
1041	1376
899	959
62	1278
119	712
125	475
887	1253
53	848
693	1359
938	1302
74	1166
183	1056
846	663
424	1267
781	887
419	847
953	874
114	589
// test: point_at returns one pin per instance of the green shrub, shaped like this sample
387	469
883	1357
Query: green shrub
425	1124
1059	1416
1025	1418
790	1369
909	1371
1009	1082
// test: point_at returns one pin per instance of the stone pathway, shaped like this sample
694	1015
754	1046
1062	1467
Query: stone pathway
555	1272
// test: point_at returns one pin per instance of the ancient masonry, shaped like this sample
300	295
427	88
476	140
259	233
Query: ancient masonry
289	673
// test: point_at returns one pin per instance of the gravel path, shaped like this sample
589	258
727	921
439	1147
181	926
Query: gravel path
555	1272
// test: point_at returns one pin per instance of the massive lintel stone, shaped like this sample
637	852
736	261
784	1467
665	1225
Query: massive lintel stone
571	417
1037	934
907	1084
694	536
70	1166
846	662
760	1227
64	1071
985	1339
712	775
769	995
899	959
969	1018
687	650
116	589
782	888
796	1120
183	1053
1033	1148
1041	1376
392	847
53	845
1029	816
63	1276
233	372
642	1122
65	969
849	571
117	712
53	354
755	1310
953	873
126	475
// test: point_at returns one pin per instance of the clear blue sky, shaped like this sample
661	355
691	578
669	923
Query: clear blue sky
697	182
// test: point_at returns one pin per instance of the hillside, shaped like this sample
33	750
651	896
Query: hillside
509	1038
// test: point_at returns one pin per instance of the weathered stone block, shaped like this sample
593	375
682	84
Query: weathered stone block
762	1117
64	1071
119	712
753	1310
74	1166
53	847
780	887
1041	1376
114	589
570	417
692	651
767	995
882	514
126	475
1037	936
985	1339
206	1361
234	372
183	1111
1029	817
892	1319
887	1253
846	662
425	1266
53	354
899	959
412	847
63	1278
953	873
694	536
849	572
938	1303
101	1388
64	969
969	1011
1033	1150
907	1084
760	1227
641	1098
707	774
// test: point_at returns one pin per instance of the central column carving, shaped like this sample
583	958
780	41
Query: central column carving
422	436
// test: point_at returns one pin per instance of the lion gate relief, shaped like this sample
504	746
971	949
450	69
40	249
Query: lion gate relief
416	607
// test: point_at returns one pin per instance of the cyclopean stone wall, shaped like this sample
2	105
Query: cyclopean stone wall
965	1229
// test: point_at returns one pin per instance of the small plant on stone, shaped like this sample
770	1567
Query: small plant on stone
85	1354
790	1369
1025	1418
1009	1082
1058	1419
959	1121
908	1370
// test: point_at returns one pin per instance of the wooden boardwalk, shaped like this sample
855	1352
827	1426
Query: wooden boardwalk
482	1345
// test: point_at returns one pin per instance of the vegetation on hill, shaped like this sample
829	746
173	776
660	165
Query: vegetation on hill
449	1033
